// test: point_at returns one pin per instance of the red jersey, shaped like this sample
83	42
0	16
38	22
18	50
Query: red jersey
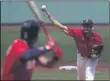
12	67
83	44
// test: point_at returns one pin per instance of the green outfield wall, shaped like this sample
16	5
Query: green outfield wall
64	11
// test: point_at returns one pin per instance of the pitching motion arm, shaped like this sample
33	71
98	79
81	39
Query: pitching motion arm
51	18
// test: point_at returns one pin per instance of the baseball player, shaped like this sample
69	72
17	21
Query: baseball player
89	46
21	55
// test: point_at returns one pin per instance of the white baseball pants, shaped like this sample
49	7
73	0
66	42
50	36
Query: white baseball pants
86	68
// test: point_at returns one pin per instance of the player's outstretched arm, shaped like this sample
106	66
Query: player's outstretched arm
51	18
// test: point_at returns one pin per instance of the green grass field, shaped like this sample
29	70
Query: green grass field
69	52
65	76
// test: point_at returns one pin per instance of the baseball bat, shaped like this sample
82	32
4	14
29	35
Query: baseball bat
35	10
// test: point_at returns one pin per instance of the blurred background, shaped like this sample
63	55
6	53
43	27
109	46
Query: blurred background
68	12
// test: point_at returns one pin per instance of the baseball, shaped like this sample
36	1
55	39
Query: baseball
43	7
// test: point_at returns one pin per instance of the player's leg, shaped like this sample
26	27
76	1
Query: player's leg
81	63
90	69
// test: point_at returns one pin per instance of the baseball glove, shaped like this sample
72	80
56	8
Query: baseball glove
96	50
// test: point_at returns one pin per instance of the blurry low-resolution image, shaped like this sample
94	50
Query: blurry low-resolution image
55	40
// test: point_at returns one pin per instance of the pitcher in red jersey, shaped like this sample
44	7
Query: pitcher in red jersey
21	56
89	46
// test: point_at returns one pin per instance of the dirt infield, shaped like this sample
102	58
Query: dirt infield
100	67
